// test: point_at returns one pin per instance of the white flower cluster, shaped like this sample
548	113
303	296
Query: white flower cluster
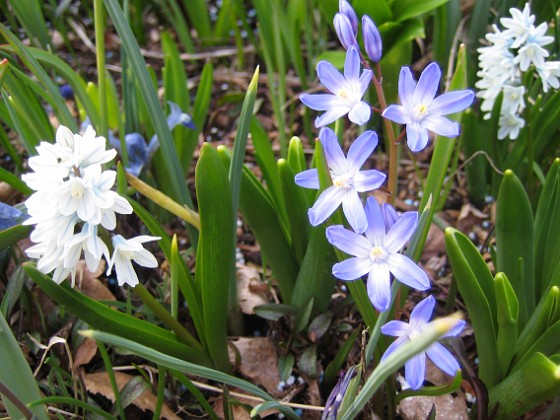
511	53
73	193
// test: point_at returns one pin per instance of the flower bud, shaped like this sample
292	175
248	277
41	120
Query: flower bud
346	9
372	39
343	29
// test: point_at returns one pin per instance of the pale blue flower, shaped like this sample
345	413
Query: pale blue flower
377	254
346	91
422	111
139	152
372	39
344	30
346	9
347	179
415	368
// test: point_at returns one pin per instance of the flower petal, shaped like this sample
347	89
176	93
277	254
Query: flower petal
361	149
401	231
364	81
352	65
422	312
428	85
375	231
416	136
331	115
360	113
451	102
330	77
352	268
415	371
379	286
336	160
369	180
456	329
407	272
353	209
321	101
326	204
394	345
406	89
308	179
443	359
397	113
441	125
348	241
395	328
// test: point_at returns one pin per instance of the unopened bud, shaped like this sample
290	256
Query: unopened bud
346	9
372	39
343	29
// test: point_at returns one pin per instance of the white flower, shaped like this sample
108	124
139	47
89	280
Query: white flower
518	25
549	74
510	125
513	101
127	250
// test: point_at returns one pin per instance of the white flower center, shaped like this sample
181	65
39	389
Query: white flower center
378	254
342	93
77	189
343	181
419	112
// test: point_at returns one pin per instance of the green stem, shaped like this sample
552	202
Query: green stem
99	23
160	392
165	316
393	146
112	379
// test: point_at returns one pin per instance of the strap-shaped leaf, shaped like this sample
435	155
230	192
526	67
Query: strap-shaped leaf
537	381
110	320
262	216
475	283
508	314
215	254
16	374
514	241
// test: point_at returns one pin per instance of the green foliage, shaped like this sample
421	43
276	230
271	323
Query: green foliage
520	341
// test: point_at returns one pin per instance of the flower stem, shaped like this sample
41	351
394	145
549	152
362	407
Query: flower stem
393	145
165	316
99	23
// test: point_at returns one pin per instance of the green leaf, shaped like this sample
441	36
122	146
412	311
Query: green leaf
536	382
406	9
10	236
271	405
472	142
508	315
514	241
547	236
273	312
545	315
215	254
296	209
262	217
177	364
16	375
332	369
476	285
32	18
100	316
60	108
149	94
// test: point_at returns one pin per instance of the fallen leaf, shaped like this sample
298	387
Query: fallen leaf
99	383
447	407
85	352
258	362
248	291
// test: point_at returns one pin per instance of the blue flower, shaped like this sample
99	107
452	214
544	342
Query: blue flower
377	254
422	111
10	216
415	368
347	179
139	152
372	39
346	91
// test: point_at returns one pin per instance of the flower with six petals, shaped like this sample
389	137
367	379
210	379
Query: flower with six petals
377	254
421	111
347	179
415	368
346	91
